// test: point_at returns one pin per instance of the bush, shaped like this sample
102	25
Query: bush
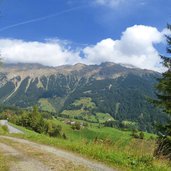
141	135
77	126
64	136
135	133
115	124
52	129
5	128
73	127
31	120
163	147
128	125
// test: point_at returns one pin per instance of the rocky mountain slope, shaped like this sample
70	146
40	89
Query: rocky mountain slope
116	89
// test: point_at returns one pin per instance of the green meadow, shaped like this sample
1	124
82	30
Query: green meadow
111	146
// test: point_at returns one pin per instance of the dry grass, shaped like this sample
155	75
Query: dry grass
3	162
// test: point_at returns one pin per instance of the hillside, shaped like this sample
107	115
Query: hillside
80	150
113	89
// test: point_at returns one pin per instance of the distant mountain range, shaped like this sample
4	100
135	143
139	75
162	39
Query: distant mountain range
116	89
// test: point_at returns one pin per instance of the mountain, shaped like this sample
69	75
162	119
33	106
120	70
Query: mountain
118	90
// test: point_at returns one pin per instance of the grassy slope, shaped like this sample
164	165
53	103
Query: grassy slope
46	105
113	147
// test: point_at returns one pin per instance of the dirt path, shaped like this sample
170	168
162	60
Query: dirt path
43	157
21	162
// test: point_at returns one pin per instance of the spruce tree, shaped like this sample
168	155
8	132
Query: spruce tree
164	102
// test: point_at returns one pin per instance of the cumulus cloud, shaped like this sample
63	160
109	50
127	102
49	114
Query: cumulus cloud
135	47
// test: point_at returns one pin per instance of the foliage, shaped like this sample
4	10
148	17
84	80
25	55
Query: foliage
109	145
34	120
53	129
141	135
85	109
134	133
31	120
164	102
76	126
123	98
5	128
124	125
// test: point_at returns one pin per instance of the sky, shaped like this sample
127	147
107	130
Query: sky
60	32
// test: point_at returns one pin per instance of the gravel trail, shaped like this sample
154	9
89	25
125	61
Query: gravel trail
21	161
58	153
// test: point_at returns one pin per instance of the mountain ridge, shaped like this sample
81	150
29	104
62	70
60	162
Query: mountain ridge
64	69
113	88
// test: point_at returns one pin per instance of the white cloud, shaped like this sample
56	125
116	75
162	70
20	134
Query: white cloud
114	4
51	52
136	47
110	3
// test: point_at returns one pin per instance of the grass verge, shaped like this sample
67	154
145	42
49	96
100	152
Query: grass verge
3	163
112	147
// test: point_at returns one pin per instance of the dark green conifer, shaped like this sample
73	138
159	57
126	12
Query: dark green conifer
164	102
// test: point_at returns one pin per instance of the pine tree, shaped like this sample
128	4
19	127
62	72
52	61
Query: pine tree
164	102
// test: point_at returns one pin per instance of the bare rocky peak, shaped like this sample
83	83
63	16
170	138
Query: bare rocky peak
26	70
102	71
79	66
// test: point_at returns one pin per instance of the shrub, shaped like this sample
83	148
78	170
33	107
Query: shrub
141	135
128	125
115	124
64	136
135	133
73	127
163	148
77	125
52	129
31	120
5	128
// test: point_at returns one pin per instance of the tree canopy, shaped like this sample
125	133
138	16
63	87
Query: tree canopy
164	102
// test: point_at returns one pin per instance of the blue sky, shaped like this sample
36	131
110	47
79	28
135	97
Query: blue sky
86	25
76	25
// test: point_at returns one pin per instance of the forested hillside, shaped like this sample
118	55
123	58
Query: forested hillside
115	90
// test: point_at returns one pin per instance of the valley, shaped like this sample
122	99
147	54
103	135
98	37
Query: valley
114	90
100	113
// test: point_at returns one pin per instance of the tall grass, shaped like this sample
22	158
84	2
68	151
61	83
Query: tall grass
3	163
111	146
